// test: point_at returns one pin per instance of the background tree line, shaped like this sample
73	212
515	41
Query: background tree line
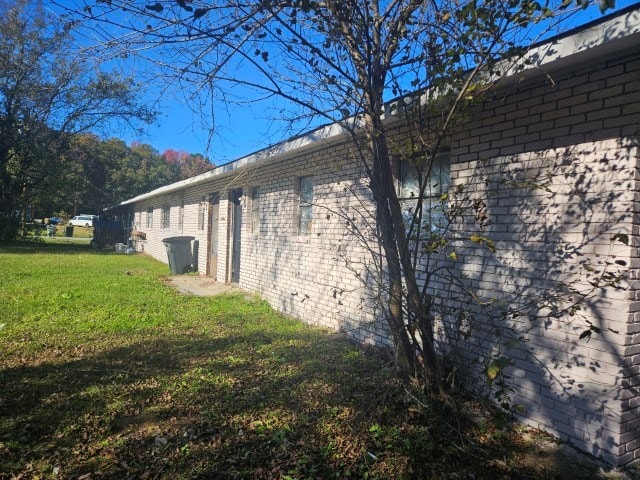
97	173
53	93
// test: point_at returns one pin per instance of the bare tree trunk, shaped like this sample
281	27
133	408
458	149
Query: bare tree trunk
401	271
403	290
406	352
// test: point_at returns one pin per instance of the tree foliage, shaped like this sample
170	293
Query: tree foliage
187	164
48	90
100	173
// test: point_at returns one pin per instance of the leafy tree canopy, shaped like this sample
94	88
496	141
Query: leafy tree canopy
49	90
101	173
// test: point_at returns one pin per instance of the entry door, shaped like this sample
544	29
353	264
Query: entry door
214	223
235	211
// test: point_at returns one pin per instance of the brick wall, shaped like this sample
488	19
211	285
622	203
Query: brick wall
309	276
555	163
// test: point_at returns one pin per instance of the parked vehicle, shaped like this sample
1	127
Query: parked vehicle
82	220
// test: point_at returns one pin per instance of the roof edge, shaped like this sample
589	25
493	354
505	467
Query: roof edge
614	32
611	33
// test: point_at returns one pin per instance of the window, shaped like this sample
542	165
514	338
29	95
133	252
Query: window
150	217
255	210
410	176
305	213
181	215
165	216
202	213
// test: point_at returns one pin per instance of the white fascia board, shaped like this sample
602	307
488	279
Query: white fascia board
596	40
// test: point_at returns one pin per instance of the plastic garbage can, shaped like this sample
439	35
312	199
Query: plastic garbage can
179	253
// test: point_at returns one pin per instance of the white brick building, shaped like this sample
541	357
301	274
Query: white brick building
557	147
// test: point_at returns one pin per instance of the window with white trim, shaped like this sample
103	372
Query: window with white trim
411	173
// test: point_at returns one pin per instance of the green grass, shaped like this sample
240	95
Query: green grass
106	372
40	231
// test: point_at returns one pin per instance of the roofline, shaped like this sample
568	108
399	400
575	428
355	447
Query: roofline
612	33
320	136
593	23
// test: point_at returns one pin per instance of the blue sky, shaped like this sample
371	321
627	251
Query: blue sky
240	130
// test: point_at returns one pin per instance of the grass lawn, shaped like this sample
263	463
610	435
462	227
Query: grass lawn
40	231
106	372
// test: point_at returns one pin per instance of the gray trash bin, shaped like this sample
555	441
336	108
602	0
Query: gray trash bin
179	253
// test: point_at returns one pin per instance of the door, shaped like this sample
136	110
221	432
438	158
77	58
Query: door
214	225
235	219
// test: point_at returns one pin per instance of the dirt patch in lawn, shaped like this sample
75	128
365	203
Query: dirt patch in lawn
202	286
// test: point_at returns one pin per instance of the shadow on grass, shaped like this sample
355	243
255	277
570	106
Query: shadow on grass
260	403
189	406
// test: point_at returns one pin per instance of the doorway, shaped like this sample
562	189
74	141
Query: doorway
214	225
235	230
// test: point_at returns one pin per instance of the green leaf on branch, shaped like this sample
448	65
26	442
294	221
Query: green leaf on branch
199	12
484	241
496	366
606	5
520	409
156	7
183	5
